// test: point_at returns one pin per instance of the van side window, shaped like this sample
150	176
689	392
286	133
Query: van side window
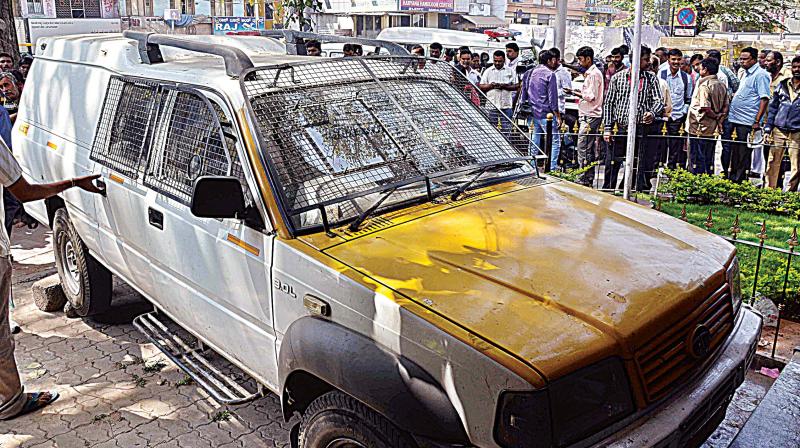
122	138
190	144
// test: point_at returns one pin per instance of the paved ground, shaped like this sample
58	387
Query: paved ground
118	390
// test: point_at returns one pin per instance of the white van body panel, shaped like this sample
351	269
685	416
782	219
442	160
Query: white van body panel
224	295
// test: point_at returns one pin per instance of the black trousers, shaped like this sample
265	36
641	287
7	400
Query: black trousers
741	154
676	144
616	156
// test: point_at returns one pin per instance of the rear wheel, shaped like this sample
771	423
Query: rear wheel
337	420
86	283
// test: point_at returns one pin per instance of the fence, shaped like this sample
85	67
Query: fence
658	145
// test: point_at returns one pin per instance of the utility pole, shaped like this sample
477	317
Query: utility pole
633	101
561	26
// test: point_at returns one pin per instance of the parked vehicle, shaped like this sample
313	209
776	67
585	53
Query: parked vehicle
355	235
504	33
451	39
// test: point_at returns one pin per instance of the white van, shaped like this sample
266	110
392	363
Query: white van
369	239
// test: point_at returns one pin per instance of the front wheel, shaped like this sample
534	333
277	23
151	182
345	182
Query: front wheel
86	283
337	420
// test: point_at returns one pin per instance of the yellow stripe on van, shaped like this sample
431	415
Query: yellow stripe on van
116	178
52	145
23	129
248	247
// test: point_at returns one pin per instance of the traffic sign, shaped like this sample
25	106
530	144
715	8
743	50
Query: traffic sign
686	17
686	32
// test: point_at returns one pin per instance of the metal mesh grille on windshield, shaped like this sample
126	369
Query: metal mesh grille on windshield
340	128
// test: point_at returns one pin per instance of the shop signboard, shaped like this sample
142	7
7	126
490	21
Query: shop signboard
236	25
427	5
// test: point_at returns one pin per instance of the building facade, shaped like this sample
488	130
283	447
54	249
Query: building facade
366	18
543	12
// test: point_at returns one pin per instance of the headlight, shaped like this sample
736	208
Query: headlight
736	285
570	409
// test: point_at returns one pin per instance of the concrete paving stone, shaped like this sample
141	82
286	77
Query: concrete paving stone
130	439
71	440
191	440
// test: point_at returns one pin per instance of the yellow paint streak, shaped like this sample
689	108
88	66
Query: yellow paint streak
23	129
116	178
504	358
52	146
261	177
248	247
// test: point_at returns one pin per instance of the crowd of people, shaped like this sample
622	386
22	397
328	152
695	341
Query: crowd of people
688	105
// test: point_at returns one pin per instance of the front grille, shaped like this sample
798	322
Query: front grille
665	360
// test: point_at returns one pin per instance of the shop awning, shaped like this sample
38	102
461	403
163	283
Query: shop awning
485	21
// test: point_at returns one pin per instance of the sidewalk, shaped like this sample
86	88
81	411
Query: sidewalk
116	389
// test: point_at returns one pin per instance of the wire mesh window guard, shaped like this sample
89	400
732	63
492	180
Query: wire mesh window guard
338	130
122	138
167	135
190	144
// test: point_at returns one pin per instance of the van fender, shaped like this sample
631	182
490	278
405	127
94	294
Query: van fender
315	350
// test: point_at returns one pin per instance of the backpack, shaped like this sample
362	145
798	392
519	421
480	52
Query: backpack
733	80
687	99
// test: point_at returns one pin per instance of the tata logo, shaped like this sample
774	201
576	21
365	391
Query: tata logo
699	343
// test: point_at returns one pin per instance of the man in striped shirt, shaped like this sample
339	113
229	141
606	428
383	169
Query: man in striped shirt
615	114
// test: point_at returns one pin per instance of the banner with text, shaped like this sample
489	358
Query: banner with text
427	5
236	25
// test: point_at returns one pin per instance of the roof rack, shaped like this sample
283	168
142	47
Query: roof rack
296	40
236	61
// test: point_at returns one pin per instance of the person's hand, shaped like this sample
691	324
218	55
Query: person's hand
756	126
87	183
768	139
607	137
648	118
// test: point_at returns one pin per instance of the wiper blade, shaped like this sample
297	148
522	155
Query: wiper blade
368	212
497	168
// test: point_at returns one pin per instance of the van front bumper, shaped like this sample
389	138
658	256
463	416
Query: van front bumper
692	414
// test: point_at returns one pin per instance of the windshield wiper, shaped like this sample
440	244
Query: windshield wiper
497	168
366	213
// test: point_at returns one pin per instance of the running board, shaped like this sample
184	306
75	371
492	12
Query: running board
220	386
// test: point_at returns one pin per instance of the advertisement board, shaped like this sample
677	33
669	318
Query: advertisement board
62	27
427	5
234	25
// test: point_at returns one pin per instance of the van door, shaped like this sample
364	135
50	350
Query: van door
121	147
211	275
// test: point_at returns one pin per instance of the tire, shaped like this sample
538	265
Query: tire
337	420
86	283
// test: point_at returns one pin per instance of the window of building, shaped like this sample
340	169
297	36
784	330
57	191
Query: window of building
543	19
549	3
418	20
185	6
77	9
35	7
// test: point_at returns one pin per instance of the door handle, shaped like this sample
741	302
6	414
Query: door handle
155	218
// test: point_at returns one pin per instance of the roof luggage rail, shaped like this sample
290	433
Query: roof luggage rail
295	41
236	61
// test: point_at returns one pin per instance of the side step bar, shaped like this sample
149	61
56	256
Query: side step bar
220	386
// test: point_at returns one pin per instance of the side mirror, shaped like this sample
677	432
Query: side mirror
217	197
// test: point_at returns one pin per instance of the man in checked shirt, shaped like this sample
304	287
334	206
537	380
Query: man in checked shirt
615	114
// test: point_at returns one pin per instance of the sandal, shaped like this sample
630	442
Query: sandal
36	401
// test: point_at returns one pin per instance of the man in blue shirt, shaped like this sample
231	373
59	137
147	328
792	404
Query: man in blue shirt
748	109
680	92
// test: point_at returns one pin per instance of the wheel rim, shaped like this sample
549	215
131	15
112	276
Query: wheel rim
344	442
69	266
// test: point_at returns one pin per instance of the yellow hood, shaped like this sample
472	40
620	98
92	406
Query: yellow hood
557	275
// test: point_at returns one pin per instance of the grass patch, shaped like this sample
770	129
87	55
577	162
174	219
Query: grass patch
222	416
185	381
773	265
154	367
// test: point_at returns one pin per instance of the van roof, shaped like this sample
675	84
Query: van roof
121	55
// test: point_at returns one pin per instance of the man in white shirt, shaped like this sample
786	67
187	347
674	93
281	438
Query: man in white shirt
590	112
14	401
465	66
680	90
512	56
499	82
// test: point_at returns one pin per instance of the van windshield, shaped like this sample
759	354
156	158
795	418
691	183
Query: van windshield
338	133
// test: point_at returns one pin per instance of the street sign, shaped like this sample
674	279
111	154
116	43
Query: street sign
686	17
172	14
685	32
